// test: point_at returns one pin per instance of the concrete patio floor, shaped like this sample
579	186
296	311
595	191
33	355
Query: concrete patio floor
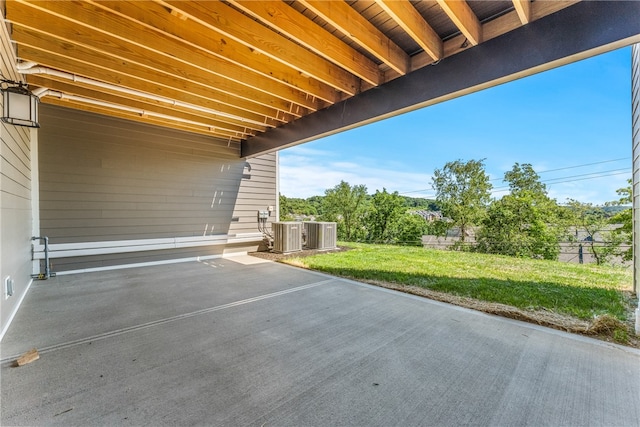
233	342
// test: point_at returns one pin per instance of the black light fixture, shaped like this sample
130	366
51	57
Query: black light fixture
20	106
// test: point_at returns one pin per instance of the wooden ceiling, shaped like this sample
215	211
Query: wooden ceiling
235	69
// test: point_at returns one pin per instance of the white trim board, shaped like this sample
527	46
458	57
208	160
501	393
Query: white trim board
65	250
149	263
15	310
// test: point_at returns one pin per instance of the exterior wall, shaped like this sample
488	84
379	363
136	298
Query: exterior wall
104	179
635	111
15	200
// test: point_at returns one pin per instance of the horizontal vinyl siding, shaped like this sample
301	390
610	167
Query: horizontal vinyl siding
257	192
635	108
106	179
15	200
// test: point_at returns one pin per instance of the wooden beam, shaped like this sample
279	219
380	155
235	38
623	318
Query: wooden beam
153	70
99	29
407	17
574	33
83	89
135	117
355	26
115	77
491	29
464	18
523	9
197	36
221	127
228	21
293	24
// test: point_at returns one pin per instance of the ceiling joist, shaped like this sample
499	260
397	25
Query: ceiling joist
239	69
414	24
199	37
523	9
88	26
302	30
222	18
355	26
463	17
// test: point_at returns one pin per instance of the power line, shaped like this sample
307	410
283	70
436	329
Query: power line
580	177
500	189
586	164
576	166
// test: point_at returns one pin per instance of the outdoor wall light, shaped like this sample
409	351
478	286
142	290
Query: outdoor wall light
20	106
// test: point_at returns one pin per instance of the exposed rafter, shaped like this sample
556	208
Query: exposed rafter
355	26
523	8
307	33
464	18
224	19
414	24
240	69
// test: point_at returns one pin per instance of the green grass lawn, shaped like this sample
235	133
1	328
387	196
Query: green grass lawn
583	291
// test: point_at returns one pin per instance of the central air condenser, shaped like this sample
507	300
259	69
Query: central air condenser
320	235
287	237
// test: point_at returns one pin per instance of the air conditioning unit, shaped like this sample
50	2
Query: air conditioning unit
320	235
287	237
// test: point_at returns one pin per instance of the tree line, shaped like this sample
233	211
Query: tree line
381	217
524	223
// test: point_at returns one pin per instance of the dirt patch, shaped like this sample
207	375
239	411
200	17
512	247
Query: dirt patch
272	256
605	327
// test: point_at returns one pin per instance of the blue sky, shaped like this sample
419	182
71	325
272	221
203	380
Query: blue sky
576	118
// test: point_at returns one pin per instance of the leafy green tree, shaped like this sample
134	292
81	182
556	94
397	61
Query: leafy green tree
522	178
463	192
421	203
408	229
521	223
316	203
285	209
624	234
345	205
385	210
290	206
438	227
592	221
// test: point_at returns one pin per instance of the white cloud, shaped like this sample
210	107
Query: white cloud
306	173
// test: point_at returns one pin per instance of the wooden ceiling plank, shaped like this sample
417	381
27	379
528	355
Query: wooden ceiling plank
95	72
497	27
243	29
112	60
82	59
463	17
523	9
225	122
295	25
126	38
142	119
74	89
196	35
540	9
355	26
407	17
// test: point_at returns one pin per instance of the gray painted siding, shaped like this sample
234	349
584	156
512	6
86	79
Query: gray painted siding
635	111
105	179
15	200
